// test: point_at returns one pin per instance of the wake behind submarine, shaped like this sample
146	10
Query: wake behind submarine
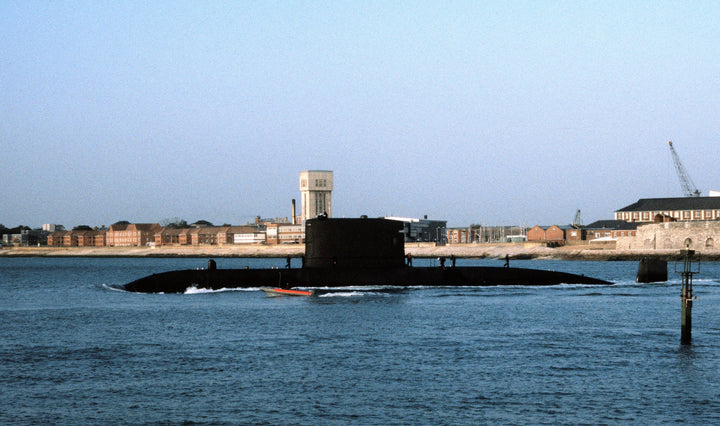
352	252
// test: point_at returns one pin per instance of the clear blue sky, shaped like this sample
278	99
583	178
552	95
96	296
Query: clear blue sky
472	112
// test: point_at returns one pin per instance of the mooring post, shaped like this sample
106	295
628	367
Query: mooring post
686	298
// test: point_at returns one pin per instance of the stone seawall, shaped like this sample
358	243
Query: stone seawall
697	235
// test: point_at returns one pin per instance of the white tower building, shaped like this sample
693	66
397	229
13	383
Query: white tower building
316	193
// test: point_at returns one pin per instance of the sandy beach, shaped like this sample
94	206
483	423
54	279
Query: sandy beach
418	250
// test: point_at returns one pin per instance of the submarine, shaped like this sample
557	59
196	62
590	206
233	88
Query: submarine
352	252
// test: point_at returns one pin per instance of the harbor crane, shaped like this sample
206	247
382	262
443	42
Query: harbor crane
689	188
577	221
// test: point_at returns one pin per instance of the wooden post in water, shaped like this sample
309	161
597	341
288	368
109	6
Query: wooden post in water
686	298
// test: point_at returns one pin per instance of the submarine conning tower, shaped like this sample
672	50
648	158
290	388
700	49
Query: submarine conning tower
354	243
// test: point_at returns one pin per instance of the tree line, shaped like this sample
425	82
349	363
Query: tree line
15	230
175	223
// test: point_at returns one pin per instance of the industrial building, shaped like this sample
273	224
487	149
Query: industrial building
422	230
486	234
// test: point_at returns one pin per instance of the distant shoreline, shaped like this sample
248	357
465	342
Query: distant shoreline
418	250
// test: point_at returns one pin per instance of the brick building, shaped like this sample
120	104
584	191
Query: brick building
168	237
131	234
209	235
610	229
554	234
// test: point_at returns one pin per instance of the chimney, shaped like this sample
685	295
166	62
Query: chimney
294	220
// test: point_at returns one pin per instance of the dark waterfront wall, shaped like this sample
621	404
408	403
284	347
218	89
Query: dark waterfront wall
364	243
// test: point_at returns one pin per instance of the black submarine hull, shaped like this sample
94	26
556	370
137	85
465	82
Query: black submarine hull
215	279
350	253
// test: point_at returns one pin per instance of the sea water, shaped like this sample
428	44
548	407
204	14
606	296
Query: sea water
75	350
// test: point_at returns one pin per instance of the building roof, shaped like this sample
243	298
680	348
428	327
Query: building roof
203	231
546	227
244	229
672	204
115	227
619	225
146	226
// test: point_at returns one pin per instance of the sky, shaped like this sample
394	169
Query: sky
493	112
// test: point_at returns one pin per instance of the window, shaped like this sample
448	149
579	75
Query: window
320	203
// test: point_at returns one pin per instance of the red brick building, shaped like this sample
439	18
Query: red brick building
57	238
552	234
461	235
168	237
132	234
208	235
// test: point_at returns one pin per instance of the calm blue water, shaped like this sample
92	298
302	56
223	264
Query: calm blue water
74	351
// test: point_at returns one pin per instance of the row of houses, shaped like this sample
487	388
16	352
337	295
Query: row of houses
627	219
152	234
120	235
602	230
